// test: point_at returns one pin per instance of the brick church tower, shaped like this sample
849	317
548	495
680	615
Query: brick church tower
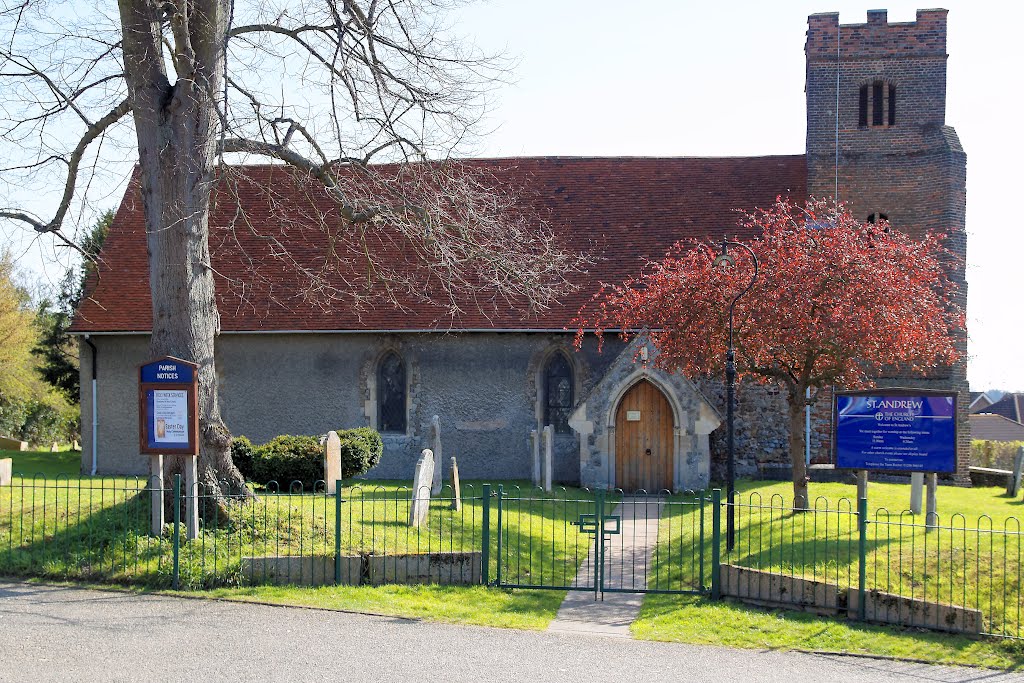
877	139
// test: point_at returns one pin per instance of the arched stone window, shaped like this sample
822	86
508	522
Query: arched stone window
877	104
558	393
391	394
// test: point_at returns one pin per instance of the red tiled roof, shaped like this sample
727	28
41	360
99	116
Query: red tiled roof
621	210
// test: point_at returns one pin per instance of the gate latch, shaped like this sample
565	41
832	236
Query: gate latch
587	523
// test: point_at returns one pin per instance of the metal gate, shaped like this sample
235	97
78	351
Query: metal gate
601	541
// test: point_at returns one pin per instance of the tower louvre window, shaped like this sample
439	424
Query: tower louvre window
877	103
878	99
877	217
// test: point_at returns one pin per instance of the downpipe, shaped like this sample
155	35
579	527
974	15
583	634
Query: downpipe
95	413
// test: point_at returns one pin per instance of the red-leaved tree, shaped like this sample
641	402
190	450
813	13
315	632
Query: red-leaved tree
836	302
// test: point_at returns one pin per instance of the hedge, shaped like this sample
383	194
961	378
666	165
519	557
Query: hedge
286	459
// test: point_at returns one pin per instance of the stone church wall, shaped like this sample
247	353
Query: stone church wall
484	387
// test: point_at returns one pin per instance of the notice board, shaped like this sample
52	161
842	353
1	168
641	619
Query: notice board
905	430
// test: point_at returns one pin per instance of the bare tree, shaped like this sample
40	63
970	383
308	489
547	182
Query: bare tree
324	87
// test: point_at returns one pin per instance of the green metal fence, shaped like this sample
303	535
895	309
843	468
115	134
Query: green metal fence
937	573
837	556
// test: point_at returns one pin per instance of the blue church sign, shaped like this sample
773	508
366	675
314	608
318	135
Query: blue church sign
168	407
910	430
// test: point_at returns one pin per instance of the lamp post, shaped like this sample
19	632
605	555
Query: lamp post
730	387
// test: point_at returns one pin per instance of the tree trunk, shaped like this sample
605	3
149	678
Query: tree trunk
796	451
177	126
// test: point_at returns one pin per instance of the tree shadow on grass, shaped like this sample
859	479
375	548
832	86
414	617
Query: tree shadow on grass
106	543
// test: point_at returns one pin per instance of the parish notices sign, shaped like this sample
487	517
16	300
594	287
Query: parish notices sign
910	430
168	407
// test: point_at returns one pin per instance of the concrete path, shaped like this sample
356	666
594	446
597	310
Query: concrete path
627	557
69	634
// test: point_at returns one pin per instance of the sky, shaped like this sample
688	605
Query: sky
681	78
727	79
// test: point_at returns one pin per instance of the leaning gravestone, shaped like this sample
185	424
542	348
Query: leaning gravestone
1018	474
6	469
420	504
435	433
456	488
332	462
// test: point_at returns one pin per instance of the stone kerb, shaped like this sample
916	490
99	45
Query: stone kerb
451	568
419	506
316	570
773	589
9	444
332	462
442	567
886	608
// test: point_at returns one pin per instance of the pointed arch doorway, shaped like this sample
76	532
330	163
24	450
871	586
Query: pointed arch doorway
644	440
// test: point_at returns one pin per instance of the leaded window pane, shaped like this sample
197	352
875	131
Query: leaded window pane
391	394
558	399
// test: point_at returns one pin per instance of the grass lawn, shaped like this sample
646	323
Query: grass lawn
30	463
514	608
696	620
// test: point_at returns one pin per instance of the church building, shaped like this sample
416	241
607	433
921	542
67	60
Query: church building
876	138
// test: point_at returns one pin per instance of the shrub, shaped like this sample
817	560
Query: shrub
286	459
361	449
13	412
997	454
243	453
46	424
38	422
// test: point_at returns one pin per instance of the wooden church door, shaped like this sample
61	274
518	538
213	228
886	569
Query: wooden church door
644	443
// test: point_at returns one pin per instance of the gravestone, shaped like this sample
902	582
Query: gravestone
332	462
456	488
6	471
1018	474
420	504
435	434
548	456
535	456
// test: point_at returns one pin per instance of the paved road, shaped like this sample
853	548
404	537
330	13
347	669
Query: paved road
49	633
